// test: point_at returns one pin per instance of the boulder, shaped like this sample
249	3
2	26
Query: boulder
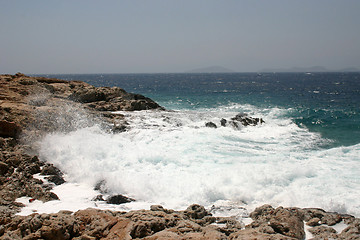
118	199
210	125
196	211
58	180
285	221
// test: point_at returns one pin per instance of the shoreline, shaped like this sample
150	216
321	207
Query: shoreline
34	106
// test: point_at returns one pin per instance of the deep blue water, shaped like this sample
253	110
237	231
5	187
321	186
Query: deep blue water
327	103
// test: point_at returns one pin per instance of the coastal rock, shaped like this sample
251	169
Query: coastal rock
245	120
31	107
352	231
210	125
241	119
196	211
56	179
9	129
118	199
285	221
156	224
223	122
323	232
313	222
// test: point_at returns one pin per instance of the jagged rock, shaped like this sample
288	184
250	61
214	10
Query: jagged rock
246	121
210	125
118	199
223	122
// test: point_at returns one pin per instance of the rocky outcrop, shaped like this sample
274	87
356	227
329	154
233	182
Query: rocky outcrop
31	107
16	177
160	223
240	120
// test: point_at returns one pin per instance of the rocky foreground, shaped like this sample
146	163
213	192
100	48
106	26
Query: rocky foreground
31	107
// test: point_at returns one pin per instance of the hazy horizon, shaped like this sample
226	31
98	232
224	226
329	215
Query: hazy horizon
79	37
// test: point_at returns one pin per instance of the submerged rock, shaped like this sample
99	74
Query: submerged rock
241	119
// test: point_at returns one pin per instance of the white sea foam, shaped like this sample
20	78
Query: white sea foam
171	158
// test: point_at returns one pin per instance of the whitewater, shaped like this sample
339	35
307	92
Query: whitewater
171	158
297	158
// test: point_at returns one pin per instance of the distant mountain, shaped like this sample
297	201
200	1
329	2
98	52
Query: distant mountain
297	69
212	69
309	69
350	69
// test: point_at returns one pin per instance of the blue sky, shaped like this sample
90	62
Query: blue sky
111	36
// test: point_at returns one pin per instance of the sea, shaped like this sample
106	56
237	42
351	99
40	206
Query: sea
305	154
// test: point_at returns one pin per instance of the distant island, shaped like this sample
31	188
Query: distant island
212	69
309	69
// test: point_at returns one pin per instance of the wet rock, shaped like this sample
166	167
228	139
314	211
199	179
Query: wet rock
49	169
210	125
245	120
119	128
101	186
99	198
58	180
118	199
196	211
9	129
223	122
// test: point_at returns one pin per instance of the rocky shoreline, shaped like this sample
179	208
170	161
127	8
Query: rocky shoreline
31	107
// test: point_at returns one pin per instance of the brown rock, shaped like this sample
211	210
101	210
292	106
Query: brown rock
286	221
3	168
323	232
313	222
352	231
196	211
9	129
252	234
331	219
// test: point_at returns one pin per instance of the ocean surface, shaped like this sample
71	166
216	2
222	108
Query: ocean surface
306	154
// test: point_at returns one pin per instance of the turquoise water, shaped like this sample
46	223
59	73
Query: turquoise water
328	103
306	154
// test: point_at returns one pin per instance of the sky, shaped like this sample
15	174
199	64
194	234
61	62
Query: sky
133	36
